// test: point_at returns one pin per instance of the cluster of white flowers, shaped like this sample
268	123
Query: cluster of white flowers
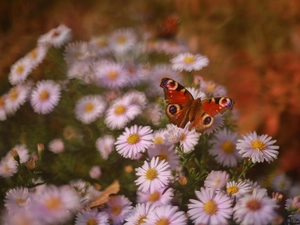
121	100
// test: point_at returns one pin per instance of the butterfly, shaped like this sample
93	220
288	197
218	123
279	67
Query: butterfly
183	108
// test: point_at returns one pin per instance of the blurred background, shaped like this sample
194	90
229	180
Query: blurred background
253	48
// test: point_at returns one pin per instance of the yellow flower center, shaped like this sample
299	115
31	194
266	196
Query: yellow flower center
141	220
20	201
155	196
158	140
112	75
189	59
151	174
91	221
79	54
133	139
258	145
210	207
182	138
227	147
44	95
13	94
20	69
116	210
101	42
120	109
232	190
210	87
53	203
298	211
162	221
163	156
33	54
89	107
253	205
282	184
121	39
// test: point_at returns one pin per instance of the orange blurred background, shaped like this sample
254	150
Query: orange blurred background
253	47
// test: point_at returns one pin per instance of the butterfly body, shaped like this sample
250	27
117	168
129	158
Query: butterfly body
183	108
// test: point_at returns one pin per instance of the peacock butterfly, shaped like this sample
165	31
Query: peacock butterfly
183	108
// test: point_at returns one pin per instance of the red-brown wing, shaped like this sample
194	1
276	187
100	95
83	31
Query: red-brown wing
214	106
179	101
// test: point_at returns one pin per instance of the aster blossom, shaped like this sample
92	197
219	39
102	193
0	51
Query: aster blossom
166	214
256	208
258	148
216	179
210	208
153	175
134	140
20	71
89	108
45	96
56	37
189	62
224	148
91	216
139	214
118	207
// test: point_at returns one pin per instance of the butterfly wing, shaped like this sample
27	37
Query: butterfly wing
204	114
179	101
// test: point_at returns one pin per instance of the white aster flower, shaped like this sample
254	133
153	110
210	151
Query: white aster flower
110	74
187	139
259	148
22	152
17	199
162	196
77	52
238	189
165	152
118	207
105	145
189	62
91	216
56	146
45	96
56	37
100	45
21	217
292	205
139	214
134	140
37	55
210	208
136	98
166	214
16	97
216	179
120	112
8	166
153	175
212	89
224	148
135	73
122	40
55	204
95	172
281	183
89	108
254	209
217	124
20	71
